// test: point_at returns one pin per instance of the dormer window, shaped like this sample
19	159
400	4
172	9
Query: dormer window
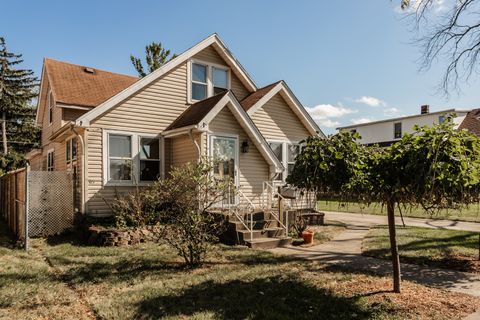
220	80
207	80
199	81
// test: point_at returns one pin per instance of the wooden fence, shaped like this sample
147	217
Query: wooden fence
13	201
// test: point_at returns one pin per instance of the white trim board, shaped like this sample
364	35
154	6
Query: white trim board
214	40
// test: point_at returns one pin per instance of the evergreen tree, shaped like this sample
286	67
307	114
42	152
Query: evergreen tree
155	57
17	89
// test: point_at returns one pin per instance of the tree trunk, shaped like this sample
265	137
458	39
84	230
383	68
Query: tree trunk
4	134
393	246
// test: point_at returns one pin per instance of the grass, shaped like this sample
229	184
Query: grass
442	248
60	279
471	213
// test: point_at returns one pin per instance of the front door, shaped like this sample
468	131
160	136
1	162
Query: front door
224	151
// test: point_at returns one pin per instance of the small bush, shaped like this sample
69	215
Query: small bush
184	200
133	209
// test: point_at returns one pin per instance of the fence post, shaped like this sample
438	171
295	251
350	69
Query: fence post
27	171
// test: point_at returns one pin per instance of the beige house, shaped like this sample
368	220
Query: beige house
113	131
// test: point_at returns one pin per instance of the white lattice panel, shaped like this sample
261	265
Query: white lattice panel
50	200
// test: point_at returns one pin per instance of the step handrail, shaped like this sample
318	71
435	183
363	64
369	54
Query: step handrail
235	209
277	217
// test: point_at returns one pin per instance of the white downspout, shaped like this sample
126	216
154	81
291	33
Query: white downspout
82	144
196	144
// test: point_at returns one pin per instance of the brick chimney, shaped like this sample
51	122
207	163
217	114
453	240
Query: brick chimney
425	109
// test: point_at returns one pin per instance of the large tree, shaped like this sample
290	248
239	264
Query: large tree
435	167
155	57
450	31
17	89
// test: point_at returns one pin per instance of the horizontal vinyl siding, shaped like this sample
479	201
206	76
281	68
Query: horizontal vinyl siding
276	121
253	168
184	150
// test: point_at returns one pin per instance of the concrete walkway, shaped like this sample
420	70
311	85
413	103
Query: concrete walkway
370	219
345	251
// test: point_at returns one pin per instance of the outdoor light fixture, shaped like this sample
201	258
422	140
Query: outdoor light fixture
245	146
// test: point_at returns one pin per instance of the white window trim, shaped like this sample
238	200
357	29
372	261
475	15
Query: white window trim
210	67
72	159
212	136
135	147
284	161
161	159
49	152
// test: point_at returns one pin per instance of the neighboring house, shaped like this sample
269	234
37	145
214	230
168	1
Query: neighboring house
113	131
385	132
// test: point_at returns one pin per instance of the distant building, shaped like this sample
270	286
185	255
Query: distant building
385	132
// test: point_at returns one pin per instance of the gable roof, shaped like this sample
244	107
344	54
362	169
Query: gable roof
471	122
256	100
213	40
71	84
254	97
196	112
196	118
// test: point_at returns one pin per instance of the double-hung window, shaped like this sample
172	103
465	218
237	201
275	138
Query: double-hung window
292	151
199	81
286	153
207	80
131	158
277	148
149	159
51	161
397	130
120	158
71	150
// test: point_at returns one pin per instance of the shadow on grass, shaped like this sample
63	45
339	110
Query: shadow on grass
265	298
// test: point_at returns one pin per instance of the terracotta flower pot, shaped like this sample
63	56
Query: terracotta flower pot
307	236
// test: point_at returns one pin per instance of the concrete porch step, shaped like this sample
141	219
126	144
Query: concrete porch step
268	243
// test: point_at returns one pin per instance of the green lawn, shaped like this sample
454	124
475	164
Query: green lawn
435	247
63	280
472	213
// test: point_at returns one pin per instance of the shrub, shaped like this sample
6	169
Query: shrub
184	200
133	209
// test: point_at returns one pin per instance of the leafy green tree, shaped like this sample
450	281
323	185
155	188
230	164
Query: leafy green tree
435	167
155	57
17	89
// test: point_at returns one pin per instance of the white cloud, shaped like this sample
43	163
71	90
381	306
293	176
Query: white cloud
325	111
389	112
327	123
361	120
371	101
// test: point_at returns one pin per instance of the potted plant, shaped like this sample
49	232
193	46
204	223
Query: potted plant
307	236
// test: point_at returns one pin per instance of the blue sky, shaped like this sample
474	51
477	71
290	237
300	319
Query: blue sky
348	61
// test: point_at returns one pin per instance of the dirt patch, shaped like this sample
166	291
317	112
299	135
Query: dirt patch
415	301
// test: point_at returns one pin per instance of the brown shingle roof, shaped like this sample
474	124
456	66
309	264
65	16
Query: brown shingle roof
471	122
253	98
72	85
196	112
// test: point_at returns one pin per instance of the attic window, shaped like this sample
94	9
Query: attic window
206	80
89	70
